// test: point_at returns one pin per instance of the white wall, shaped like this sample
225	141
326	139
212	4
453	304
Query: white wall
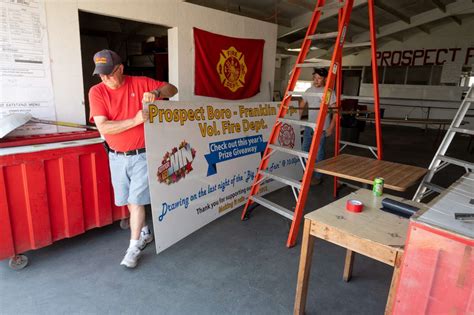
65	55
65	52
449	35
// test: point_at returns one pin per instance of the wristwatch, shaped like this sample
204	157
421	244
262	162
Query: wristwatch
157	93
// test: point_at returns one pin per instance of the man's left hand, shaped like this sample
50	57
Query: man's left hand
148	97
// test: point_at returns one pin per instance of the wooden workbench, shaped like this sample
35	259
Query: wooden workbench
373	233
396	176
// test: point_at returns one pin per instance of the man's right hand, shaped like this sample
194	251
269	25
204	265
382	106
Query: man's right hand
141	117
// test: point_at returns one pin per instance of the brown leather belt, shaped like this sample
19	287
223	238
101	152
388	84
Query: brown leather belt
131	152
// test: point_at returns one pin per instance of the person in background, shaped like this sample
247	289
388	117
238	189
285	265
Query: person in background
116	107
319	82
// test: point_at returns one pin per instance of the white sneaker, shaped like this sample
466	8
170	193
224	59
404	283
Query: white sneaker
146	237
131	257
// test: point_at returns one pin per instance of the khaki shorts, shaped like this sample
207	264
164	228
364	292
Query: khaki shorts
129	179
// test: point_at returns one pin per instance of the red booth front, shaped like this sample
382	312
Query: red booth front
52	187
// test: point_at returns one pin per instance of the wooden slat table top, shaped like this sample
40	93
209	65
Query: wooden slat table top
396	176
371	224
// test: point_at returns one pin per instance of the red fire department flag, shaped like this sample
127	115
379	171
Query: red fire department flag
227	67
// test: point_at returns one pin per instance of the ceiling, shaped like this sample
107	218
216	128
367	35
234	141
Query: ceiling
395	20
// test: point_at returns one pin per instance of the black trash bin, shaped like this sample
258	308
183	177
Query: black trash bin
349	128
350	134
372	115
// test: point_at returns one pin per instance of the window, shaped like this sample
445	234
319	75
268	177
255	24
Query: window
368	74
302	86
416	75
436	75
419	75
395	75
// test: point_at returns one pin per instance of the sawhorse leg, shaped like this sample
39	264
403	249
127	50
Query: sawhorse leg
304	269
348	266
393	285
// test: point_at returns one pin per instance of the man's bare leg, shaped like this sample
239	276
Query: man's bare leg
137	220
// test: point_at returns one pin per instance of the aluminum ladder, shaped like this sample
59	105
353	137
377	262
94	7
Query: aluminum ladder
441	160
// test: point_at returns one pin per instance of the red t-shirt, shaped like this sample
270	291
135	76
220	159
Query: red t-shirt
120	104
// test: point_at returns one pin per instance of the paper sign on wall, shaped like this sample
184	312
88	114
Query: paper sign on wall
25	71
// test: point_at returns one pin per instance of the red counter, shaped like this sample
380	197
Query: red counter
50	191
437	273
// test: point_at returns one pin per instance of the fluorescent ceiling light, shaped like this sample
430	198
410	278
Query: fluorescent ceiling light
299	49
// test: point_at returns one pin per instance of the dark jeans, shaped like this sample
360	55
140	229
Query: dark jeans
307	139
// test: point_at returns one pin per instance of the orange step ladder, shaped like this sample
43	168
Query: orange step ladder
301	188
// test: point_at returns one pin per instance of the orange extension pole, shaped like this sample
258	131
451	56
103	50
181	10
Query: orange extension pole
337	134
375	78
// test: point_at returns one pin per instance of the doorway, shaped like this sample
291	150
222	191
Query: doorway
351	82
143	47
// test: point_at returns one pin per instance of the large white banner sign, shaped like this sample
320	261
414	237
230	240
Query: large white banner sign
202	159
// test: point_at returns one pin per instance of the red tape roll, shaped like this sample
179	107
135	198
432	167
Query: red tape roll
353	205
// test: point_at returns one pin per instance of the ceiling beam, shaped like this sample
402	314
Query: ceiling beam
351	51
424	29
458	7
283	51
326	53
456	19
249	12
357	23
296	44
318	53
302	4
440	5
362	25
393	12
282	44
292	31
398	38
303	20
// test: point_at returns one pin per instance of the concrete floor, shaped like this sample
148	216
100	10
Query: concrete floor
227	267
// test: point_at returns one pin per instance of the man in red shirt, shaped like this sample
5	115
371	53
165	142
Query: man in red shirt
116	107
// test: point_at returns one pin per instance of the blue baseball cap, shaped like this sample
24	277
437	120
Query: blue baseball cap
105	61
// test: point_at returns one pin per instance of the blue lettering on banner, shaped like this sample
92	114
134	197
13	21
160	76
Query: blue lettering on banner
168	207
232	149
233	181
